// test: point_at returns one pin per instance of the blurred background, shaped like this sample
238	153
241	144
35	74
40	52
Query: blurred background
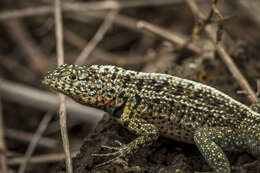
108	32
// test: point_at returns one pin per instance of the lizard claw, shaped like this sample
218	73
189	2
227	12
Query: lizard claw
120	151
118	143
113	148
109	147
106	162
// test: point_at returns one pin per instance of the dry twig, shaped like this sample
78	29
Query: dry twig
36	137
97	37
29	96
84	7
224	55
60	61
167	35
103	55
114	4
252	8
121	20
3	158
46	158
23	136
36	58
25	74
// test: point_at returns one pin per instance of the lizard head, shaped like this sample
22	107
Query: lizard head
93	86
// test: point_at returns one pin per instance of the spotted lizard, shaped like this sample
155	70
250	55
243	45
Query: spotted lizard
155	104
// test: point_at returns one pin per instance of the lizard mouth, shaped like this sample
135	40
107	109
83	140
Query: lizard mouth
51	82
46	80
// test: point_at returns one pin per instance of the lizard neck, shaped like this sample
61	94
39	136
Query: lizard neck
98	101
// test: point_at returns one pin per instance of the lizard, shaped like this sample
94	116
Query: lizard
155	104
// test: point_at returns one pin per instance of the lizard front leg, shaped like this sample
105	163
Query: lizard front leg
210	142
147	134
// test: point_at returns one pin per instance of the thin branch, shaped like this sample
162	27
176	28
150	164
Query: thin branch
3	158
27	12
46	158
167	35
36	137
97	37
233	69
27	137
59	32
60	61
36	98
224	55
102	55
121	20
114	5
252	8
54	126
84	7
258	87
35	57
25	73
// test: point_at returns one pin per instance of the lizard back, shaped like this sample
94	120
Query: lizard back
176	106
179	106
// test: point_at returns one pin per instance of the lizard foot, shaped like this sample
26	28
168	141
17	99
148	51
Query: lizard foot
121	151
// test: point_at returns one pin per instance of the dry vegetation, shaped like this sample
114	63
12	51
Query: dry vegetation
214	42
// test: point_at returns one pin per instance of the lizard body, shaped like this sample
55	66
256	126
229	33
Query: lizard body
154	104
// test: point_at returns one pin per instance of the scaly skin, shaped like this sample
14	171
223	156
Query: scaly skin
154	104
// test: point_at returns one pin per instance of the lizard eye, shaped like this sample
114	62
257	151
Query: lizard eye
73	77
